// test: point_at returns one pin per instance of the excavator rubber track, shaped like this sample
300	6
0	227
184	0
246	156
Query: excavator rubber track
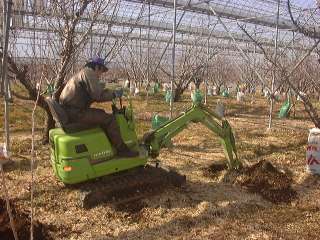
129	186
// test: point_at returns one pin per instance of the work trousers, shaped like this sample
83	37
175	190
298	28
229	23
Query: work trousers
98	117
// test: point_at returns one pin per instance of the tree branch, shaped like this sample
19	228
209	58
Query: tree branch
308	33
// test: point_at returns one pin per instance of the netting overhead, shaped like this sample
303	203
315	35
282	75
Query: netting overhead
197	23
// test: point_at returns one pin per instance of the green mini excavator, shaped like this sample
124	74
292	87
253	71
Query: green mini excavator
79	154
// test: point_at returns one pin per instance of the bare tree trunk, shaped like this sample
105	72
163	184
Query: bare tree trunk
197	83
49	124
218	88
178	93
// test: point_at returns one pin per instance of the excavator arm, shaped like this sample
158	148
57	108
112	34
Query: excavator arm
157	139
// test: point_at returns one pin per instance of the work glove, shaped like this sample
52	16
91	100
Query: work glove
118	93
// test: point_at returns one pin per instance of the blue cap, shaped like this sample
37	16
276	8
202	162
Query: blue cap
99	61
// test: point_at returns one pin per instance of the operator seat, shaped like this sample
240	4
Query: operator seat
61	118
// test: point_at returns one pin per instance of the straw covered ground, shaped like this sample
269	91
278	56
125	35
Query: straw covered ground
212	205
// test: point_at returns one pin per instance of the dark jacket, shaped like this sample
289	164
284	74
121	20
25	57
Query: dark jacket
83	89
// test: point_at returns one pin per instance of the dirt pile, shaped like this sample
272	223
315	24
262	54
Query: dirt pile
263	178
22	224
133	207
214	169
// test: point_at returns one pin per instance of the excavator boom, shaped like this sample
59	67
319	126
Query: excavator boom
157	139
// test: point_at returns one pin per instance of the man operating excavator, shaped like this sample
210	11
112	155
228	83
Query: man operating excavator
81	91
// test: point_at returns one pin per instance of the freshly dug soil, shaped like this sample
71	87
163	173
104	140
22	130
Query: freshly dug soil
131	207
263	178
22	224
214	169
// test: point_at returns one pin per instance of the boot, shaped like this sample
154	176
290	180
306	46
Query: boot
113	132
124	151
